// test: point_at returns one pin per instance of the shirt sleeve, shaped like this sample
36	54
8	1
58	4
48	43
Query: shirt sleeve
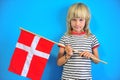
64	40
95	42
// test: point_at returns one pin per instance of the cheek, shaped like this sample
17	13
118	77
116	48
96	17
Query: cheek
83	23
72	24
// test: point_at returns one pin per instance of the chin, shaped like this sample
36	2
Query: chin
78	30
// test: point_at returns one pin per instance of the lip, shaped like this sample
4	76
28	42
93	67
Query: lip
77	27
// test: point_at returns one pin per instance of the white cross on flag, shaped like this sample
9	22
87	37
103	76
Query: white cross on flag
31	55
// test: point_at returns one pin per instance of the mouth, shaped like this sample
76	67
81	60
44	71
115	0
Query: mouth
77	27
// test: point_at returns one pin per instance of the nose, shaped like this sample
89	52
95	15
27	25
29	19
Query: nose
77	22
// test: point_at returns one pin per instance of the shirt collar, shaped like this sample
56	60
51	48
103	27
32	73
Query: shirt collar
76	33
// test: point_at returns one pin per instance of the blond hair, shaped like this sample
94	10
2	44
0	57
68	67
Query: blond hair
78	10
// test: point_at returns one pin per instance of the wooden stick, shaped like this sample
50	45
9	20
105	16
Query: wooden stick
99	60
91	57
62	45
38	35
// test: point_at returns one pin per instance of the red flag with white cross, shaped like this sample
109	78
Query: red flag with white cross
30	55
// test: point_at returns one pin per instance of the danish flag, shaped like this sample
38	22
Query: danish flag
30	55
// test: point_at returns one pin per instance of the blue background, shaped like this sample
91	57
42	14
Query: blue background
48	18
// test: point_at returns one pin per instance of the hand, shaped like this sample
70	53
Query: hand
86	54
69	50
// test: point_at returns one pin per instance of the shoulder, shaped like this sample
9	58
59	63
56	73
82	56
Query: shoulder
92	36
65	36
64	39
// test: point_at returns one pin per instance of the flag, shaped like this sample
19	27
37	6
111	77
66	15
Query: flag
30	55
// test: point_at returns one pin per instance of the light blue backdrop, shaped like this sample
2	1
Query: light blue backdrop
48	18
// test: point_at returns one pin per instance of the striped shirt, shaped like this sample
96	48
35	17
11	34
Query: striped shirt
78	67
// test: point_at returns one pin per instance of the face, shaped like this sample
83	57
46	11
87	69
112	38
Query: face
77	24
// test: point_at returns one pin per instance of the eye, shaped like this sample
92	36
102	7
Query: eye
73	19
80	19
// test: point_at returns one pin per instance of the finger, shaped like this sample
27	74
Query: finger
69	50
82	53
87	54
92	56
68	47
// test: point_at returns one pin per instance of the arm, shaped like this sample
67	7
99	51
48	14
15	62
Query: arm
62	59
89	55
95	53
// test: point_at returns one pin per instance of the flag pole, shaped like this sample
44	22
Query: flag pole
38	35
62	45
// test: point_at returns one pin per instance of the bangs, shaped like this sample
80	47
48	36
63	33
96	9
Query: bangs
79	12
